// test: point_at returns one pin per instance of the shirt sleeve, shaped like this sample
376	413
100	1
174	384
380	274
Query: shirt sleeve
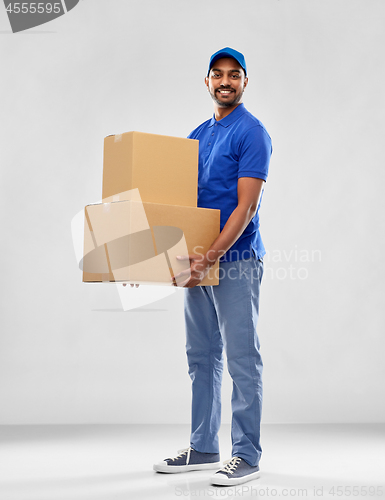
254	153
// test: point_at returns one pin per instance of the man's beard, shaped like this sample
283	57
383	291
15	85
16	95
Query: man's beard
226	104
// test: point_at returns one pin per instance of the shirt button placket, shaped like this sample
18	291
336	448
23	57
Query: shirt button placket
212	134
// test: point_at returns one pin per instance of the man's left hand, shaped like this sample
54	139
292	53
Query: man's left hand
199	267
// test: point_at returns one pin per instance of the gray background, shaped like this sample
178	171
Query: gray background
68	352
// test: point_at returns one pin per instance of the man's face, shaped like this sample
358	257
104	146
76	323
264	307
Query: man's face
226	82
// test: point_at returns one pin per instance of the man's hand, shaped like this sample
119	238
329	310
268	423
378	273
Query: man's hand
199	267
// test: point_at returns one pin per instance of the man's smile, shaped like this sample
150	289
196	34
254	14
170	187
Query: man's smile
224	91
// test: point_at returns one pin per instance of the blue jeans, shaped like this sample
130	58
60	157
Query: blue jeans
226	316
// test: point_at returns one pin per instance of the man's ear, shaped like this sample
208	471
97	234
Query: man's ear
207	82
245	82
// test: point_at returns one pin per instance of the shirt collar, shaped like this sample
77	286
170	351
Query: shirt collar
229	119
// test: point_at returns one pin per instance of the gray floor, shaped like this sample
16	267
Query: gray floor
115	463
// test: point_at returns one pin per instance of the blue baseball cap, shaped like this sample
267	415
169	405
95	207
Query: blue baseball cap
227	52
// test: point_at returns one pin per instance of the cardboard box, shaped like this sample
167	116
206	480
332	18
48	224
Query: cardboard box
136	242
164	169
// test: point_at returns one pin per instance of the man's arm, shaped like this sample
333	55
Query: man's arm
249	193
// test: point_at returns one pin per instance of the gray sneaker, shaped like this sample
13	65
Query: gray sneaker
188	460
236	471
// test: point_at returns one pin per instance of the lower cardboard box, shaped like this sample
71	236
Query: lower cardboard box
131	241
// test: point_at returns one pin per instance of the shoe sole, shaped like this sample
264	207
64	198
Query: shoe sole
174	469
217	480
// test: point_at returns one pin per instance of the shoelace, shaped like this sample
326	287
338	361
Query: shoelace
183	452
231	465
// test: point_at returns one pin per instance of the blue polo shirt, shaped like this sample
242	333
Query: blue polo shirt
236	146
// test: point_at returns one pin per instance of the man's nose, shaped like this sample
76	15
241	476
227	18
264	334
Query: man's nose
225	81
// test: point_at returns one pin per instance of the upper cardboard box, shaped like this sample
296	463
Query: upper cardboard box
164	169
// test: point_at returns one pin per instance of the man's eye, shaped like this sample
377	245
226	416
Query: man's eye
216	75
236	76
